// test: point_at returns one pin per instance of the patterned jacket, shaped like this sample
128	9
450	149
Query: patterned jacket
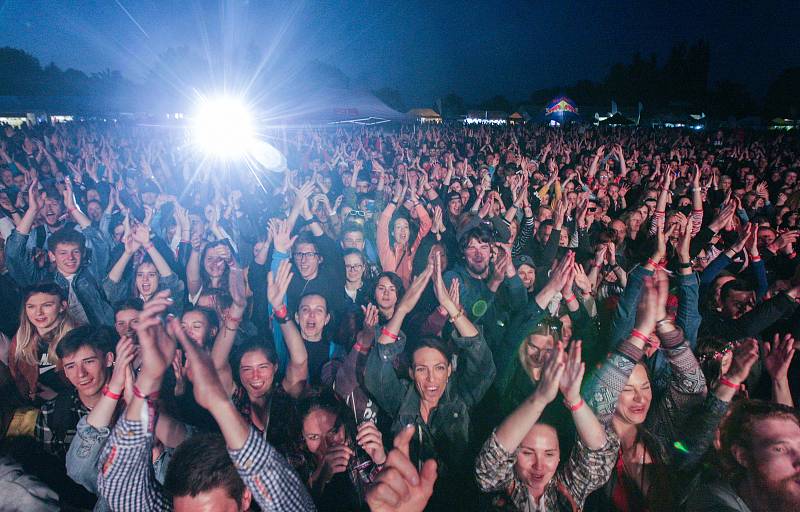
585	471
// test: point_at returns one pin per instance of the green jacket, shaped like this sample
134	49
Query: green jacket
446	434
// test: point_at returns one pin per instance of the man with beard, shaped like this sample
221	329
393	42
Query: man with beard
761	462
486	276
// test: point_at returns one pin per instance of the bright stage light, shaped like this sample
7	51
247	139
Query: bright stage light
223	127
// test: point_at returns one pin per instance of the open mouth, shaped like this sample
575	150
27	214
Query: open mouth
257	384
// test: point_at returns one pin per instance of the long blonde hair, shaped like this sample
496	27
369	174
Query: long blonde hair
28	337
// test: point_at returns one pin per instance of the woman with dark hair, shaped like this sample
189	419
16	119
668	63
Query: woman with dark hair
438	398
335	457
520	460
397	250
251	379
662	443
151	273
208	268
388	291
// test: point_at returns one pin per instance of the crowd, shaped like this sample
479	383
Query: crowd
418	318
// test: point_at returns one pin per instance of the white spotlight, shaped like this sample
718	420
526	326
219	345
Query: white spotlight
223	127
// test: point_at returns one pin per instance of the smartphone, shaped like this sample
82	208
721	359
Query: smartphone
370	205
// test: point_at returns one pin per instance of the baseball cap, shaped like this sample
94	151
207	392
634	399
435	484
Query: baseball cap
523	259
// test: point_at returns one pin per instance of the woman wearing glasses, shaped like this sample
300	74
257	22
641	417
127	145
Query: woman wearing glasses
356	289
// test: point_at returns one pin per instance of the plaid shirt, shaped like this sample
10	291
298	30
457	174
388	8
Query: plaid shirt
127	482
585	471
57	423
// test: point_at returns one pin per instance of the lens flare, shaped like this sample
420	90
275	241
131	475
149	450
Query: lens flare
223	127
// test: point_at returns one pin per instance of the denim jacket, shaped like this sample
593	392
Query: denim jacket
83	456
23	269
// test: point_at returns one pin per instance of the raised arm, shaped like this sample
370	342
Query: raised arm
605	386
297	367
271	480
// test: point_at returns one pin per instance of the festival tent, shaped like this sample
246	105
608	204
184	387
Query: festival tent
616	120
780	123
515	118
561	109
335	106
425	115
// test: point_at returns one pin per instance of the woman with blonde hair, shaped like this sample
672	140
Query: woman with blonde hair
43	322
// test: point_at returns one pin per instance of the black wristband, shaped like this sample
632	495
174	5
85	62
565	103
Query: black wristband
685	265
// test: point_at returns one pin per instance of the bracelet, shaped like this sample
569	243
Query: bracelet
688	264
281	312
569	299
148	246
725	382
458	315
755	259
110	394
389	334
575	407
653	262
358	347
138	394
635	333
72	210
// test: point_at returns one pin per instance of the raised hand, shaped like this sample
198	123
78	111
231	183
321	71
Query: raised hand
778	356
582	280
141	234
282	237
179	370
335	461
561	273
125	353
400	487
370	439
370	316
277	285
439	289
571	378
661	243
744	357
157	347
647	313
685	242
552	372
207	387
414	291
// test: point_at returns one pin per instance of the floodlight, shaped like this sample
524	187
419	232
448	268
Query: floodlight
223	128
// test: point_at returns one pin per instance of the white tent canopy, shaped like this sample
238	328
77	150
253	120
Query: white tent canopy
338	106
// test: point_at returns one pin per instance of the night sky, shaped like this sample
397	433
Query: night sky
424	49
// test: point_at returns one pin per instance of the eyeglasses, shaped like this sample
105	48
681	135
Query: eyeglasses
300	256
358	266
357	213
